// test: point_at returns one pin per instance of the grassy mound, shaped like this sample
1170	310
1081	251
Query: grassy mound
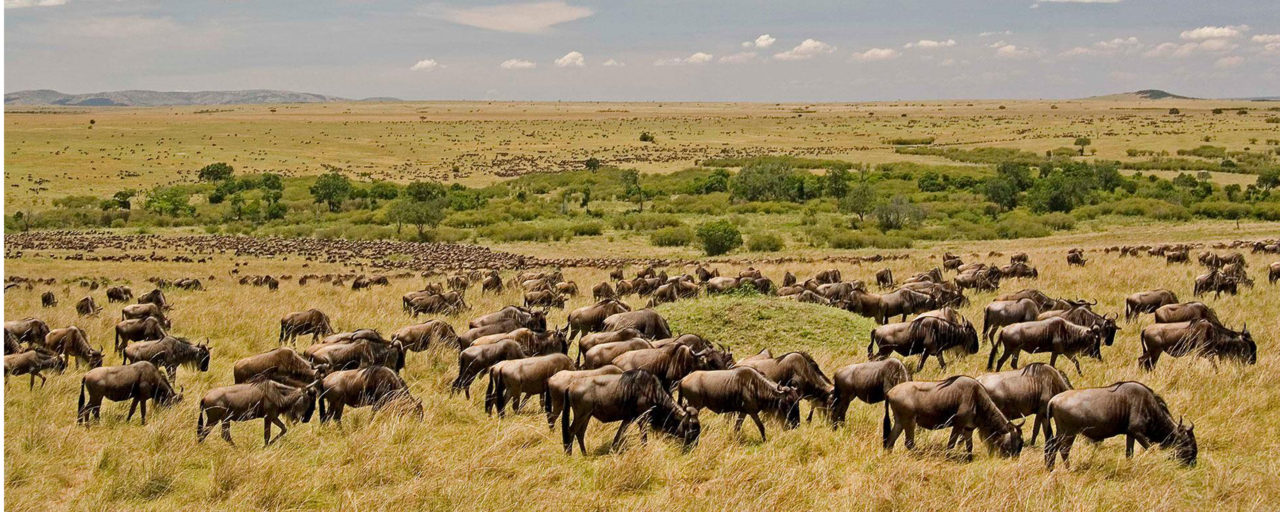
753	322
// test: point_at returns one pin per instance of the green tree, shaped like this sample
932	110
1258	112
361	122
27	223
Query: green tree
331	189
168	201
124	199
423	191
593	164
1269	179
899	212
383	190
1018	174
215	172
719	237
272	181
1082	142
859	200
631	188
420	214
837	182
1002	192
765	181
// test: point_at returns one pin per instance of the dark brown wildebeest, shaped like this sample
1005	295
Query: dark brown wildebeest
672	362
418	337
143	311
119	294
744	391
262	398
827	276
156	297
491	283
952	263
48	300
934	275
603	291
673	291
798	370
560	381
544	298
86	307
591	340
1130	409
168	353
723	284
904	302
28	330
1083	316
137	382
358	352
1217	282
1019	270
616	274
473	361
458	283
1202	337
603	354
71	342
925	336
567	288
519	379
705	275
1171	257
282	365
311	321
33	362
137	329
470	336
647	321
375	386
436	303
1020	257
884	278
1026	392
1007	312
1075	258
588	319
1186	312
188	283
624	397
407	299
1056	335
958	402
545	342
523	317
1273	272
1147	302
869	382
1044	302
788	279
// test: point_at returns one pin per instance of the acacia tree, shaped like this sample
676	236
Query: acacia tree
1082	142
331	189
860	199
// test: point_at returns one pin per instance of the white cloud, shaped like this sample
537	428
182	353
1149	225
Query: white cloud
696	58
523	18
808	49
1266	38
613	64
1010	51
875	54
929	43
1191	48
1208	32
1109	47
517	64
738	58
571	59
996	33
764	41
425	65
1229	62
18	4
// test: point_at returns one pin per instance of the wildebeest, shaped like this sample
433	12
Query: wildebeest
626	397
1217	282
1083	316
603	354
520	316
168	353
672	362
558	383
798	370
48	300
884	278
1130	409
420	336
926	336
473	361
1019	270
647	321
1026	392
156	297
742	390
119	294
375	386
1076	258
544	298
137	329
588	341
87	307
448	302
1147	302
138	382
261	398
145	310
869	382
1273	272
282	365
958	402
71	342
1056	335
603	291
491	283
1201	337
591	318
33	362
1185	312
28	330
518	379
311	321
1000	313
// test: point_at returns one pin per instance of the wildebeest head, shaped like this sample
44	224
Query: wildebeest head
713	359
1009	443
689	428
1094	349
165	396
95	357
1240	345
789	405
202	356
1184	443
304	404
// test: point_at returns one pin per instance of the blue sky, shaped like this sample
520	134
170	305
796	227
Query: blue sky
652	50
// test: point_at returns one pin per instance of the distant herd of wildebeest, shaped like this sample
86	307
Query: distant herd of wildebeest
631	368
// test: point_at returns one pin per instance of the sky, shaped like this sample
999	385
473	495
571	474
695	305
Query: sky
652	50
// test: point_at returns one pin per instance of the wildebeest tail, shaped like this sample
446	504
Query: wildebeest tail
886	424
492	391
871	343
282	332
199	423
565	435
80	407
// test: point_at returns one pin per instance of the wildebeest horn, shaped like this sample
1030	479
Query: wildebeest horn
1179	421
1019	424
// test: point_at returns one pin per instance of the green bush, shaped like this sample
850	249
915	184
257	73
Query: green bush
719	237
1058	221
765	242
672	236
590	228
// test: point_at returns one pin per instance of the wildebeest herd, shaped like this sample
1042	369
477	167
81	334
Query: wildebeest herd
630	367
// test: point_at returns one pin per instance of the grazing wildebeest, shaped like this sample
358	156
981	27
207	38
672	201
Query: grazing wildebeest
522	317
1056	335
311	321
448	302
137	329
28	330
138	382
491	283
958	402
282	365
647	321
168	353
591	340
925	336
33	362
544	298
588	319
560	381
87	307
603	354
473	361
375	386
358	353
1130	409
869	382
119	294
1186	312
1202	337
884	278
798	370
625	397
1217	282
788	279
71	342
672	362
155	297
1007	312
145	310
48	300
420	336
1083	316
603	291
261	398
1273	272
744	391
1075	259
1026	392
518	379
1147	302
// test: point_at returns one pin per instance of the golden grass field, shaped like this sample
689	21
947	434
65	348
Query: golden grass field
52	152
457	458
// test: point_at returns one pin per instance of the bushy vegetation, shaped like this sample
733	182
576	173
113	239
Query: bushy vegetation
718	237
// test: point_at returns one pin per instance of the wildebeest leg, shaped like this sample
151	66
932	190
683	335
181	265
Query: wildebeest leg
1043	419
1128	443
737	427
143	404
759	425
336	412
991	359
968	444
283	428
617	438
1065	449
1008	352
226	431
1077	363
1014	363
954	438
266	431
133	406
910	429
580	429
942	362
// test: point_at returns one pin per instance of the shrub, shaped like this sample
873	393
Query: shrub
765	242
590	228
672	236
719	237
215	172
1058	221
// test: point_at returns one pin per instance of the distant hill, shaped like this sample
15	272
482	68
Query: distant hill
1145	94
158	98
